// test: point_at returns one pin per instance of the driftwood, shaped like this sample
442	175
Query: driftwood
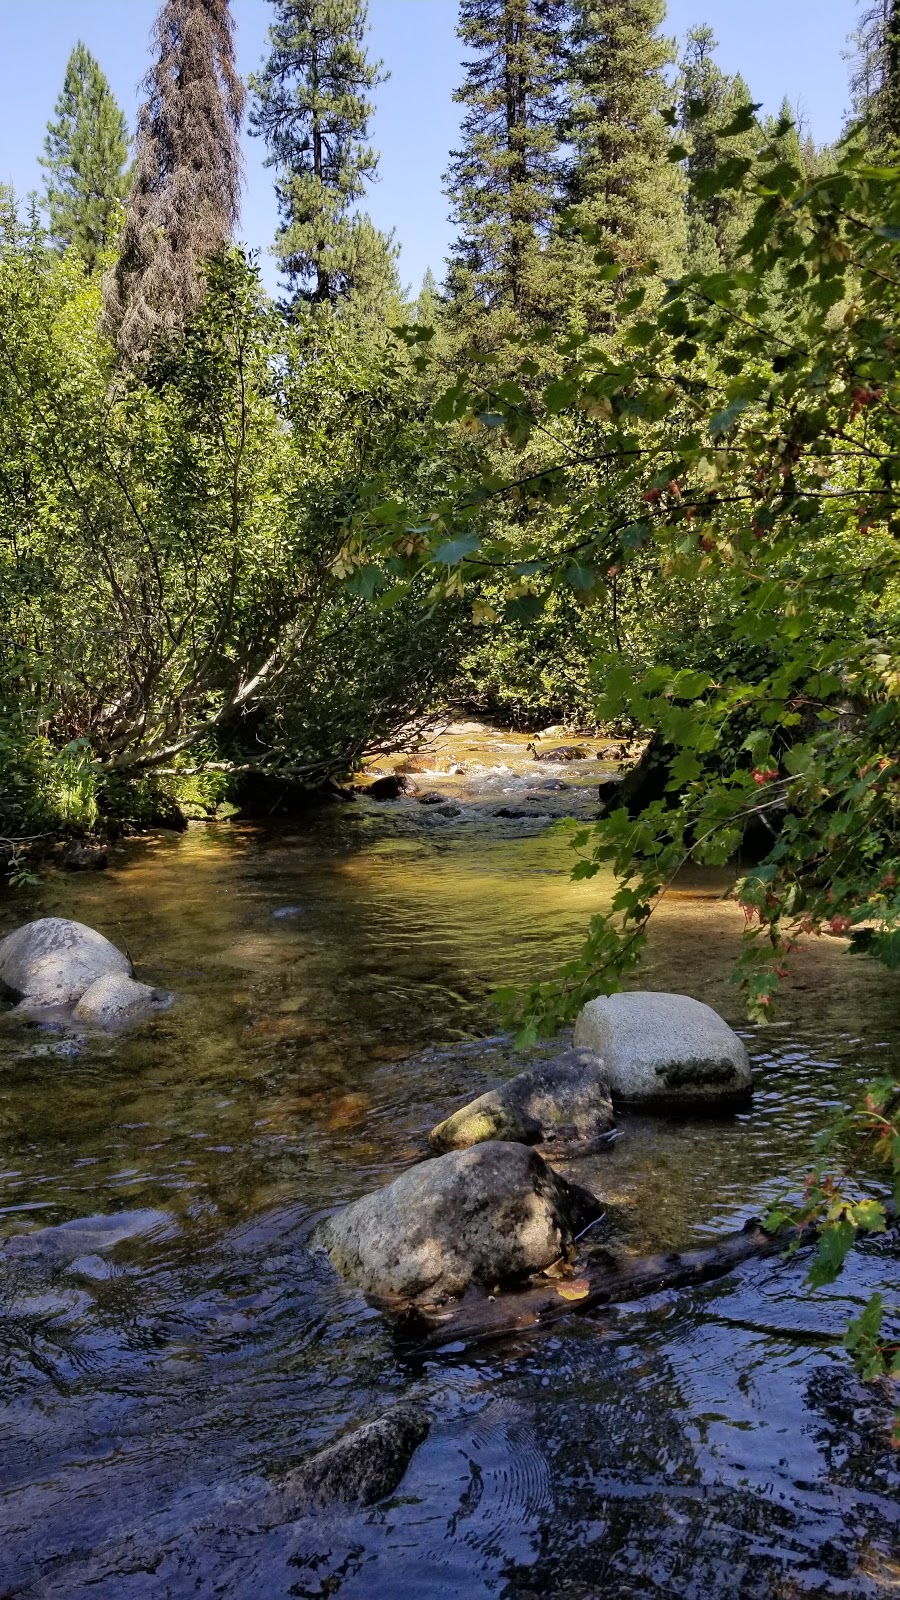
609	1276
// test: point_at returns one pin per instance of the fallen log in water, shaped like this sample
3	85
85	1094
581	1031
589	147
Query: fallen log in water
609	1276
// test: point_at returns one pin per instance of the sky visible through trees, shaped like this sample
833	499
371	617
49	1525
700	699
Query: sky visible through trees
416	120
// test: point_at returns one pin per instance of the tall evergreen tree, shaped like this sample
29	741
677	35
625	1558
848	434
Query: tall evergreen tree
796	144
85	157
312	107
875	78
503	183
621	184
9	214
185	193
427	304
708	100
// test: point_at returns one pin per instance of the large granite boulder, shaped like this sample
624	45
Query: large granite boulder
489	1215
564	1104
362	1467
666	1048
53	961
116	1001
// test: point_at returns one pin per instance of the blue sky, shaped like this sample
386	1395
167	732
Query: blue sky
783	47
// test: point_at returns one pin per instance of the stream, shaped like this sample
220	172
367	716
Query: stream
169	1341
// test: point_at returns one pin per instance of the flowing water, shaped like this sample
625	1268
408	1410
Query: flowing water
169	1341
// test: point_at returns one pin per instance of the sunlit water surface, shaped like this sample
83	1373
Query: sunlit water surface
334	984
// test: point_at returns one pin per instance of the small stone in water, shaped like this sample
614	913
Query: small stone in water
70	1048
93	1267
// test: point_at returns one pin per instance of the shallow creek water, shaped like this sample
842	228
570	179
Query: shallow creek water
334	981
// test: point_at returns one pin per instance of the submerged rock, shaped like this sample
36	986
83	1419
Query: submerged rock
665	1047
390	787
417	764
562	752
488	1215
361	1468
520	813
564	1103
84	855
432	798
64	1242
53	961
115	1001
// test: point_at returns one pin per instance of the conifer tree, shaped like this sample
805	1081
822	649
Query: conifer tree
9	214
621	184
875	79
85	156
313	109
427	305
796	145
185	193
708	100
503	184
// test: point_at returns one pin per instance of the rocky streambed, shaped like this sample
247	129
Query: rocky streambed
177	1351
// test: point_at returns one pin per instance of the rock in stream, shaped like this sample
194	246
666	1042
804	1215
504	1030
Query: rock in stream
115	1001
53	961
665	1047
564	1104
489	1215
58	965
362	1467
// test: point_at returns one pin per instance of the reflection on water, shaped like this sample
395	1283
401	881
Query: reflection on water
335	985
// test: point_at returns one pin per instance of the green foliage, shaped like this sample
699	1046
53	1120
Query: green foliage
758	470
744	440
85	156
170	544
864	1137
313	111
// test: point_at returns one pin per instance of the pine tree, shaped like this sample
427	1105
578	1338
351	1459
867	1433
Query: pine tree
875	79
503	183
708	100
796	144
427	305
621	184
185	193
9	215
312	109
85	156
